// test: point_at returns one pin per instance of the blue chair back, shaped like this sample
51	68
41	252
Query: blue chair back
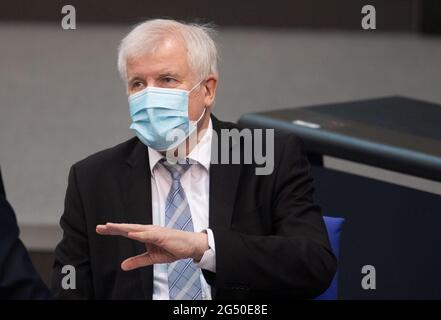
333	226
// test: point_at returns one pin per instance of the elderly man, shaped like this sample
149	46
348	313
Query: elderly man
140	225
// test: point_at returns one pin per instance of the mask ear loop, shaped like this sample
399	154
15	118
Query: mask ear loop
202	115
195	86
205	108
195	124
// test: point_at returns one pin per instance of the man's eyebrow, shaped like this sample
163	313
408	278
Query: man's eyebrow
168	73
133	78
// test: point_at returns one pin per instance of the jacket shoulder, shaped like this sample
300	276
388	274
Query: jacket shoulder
108	157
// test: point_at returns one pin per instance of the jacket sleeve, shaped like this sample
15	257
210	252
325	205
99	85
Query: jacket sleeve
18	277
295	261
73	250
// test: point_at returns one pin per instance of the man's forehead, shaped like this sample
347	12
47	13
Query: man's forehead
169	56
140	69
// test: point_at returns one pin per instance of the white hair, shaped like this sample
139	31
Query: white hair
145	37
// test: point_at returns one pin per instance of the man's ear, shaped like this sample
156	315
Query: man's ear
210	85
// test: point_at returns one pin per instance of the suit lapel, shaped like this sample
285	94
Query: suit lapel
137	195
224	179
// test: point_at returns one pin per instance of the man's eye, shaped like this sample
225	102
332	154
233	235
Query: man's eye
168	80
137	84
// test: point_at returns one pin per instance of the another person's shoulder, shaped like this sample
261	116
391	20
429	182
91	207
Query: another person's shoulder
8	221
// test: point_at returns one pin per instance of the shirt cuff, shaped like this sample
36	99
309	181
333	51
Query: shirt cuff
208	260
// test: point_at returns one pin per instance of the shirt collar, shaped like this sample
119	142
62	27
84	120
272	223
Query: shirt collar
201	153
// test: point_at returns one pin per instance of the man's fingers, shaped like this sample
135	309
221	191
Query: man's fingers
143	260
141	233
151	236
126	227
119	229
135	262
104	230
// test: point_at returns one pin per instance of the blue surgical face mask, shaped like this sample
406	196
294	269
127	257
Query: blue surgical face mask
160	117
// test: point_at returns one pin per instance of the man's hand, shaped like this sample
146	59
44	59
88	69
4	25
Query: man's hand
164	245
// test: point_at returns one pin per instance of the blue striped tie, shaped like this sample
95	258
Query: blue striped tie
184	281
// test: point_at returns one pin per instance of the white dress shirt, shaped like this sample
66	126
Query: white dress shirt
195	182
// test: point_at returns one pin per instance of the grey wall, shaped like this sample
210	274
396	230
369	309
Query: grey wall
61	98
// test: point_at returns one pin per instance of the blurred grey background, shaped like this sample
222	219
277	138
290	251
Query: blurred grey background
61	98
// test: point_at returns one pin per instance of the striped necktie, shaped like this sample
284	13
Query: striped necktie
184	281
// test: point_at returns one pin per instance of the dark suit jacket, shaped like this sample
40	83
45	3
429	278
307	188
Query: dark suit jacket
18	278
270	238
